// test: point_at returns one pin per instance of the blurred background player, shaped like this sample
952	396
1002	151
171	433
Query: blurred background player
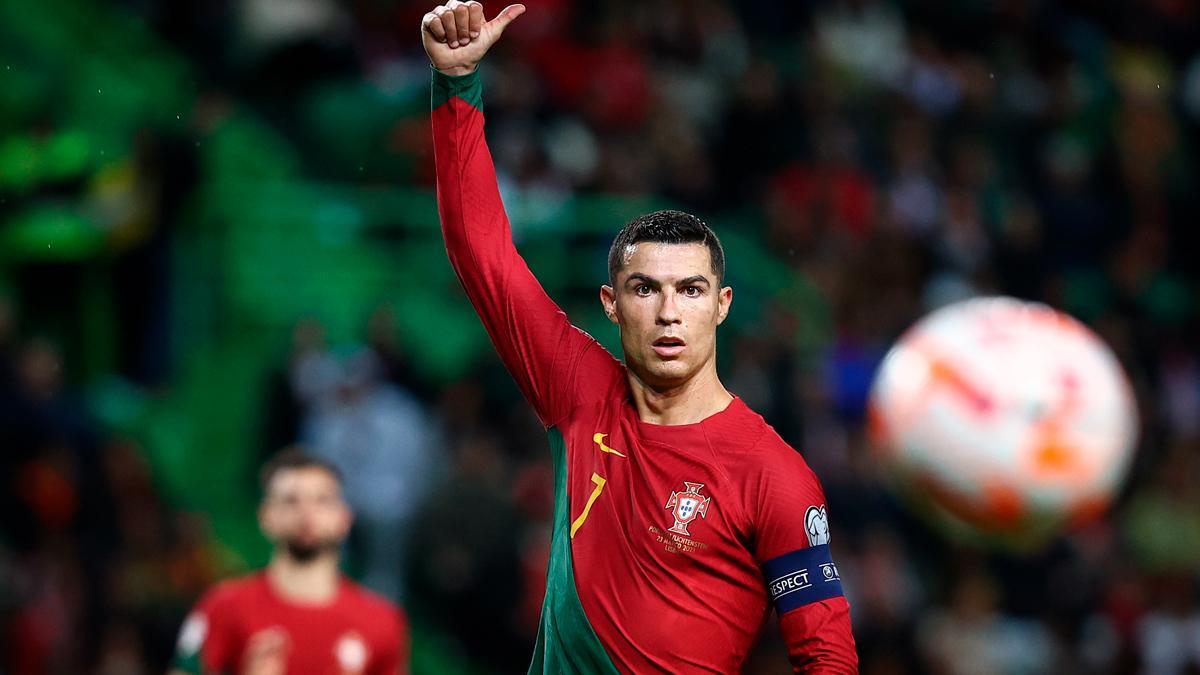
299	615
709	518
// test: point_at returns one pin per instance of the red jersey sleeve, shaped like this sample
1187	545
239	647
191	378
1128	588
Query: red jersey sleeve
803	582
207	639
539	346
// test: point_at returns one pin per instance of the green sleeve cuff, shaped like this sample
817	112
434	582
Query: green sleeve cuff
467	87
187	663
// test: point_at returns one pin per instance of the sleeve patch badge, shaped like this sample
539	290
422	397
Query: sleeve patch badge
816	522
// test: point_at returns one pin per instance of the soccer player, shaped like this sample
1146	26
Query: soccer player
299	615
680	516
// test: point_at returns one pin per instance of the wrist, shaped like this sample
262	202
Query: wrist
459	82
458	71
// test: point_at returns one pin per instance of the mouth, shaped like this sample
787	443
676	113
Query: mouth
668	346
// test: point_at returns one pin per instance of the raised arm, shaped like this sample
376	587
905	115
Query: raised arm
542	350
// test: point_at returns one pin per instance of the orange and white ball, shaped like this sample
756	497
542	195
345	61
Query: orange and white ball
1005	418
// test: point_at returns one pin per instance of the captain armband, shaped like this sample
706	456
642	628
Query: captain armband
802	577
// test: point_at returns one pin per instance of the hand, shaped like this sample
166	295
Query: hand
266	653
456	37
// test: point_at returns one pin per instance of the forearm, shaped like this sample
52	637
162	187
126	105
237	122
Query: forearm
819	639
475	227
531	334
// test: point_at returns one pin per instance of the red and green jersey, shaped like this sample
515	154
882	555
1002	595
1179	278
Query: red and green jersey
670	544
357	633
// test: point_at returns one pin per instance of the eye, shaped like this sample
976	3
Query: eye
643	289
692	291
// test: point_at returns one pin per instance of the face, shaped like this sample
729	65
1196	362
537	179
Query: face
304	513
668	304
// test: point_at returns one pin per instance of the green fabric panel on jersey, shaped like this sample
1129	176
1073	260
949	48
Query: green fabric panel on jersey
566	642
189	663
467	87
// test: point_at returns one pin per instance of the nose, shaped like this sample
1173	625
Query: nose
306	510
668	310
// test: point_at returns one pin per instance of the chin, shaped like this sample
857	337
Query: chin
307	550
668	374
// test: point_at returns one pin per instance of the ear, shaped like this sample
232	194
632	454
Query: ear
347	518
263	521
724	300
608	299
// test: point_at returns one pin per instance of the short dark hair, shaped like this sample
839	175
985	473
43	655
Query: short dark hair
295	457
666	227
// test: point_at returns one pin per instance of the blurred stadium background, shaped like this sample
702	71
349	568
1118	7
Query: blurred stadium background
218	236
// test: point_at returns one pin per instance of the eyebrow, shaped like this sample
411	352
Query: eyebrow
655	283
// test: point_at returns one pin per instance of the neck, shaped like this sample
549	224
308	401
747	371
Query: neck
688	402
314	582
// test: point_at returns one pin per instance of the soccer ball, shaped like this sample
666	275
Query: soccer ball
1003	418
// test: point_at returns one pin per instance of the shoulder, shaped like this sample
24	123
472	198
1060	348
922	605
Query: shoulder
379	610
763	450
601	388
220	612
604	358
783	498
775	479
231	594
598	371
776	454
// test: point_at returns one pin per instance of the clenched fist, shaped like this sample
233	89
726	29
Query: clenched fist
456	36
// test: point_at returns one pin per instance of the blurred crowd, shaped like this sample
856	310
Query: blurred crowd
893	155
96	567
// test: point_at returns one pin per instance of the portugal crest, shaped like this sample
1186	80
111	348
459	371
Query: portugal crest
686	505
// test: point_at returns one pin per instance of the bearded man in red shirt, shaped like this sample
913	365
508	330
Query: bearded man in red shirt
299	616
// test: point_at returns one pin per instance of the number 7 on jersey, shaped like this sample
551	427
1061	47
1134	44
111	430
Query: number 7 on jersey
578	522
